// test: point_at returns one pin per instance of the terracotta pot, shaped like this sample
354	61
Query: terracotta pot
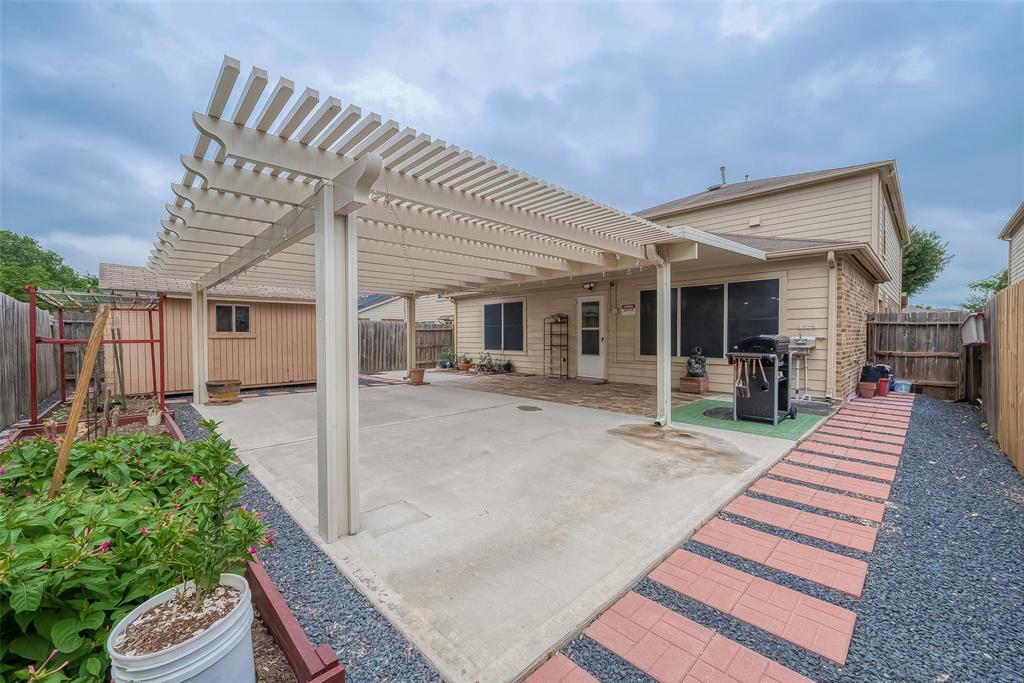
866	389
463	366
416	375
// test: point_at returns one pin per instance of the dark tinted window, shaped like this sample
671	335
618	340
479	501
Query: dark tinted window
649	322
753	309
241	318
703	316
513	325
492	327
223	318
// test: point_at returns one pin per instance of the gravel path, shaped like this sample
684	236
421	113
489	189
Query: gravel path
328	607
944	599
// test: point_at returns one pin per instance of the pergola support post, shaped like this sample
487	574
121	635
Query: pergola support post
200	336
410	334
664	332
336	238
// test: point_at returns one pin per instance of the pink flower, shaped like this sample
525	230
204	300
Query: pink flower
252	551
143	531
105	546
28	494
245	506
261	515
2	470
85	532
176	506
196	480
42	568
269	540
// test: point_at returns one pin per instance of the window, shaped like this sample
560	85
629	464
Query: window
753	309
701	317
503	326
232	318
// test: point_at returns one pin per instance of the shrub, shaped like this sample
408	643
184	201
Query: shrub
136	515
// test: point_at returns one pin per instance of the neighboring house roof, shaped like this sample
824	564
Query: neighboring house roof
720	194
368	301
119	276
1014	224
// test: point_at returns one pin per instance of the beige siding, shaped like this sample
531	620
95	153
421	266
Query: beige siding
887	247
841	209
428	309
803	312
280	349
1017	256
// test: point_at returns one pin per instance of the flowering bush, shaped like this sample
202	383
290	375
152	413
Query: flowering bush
136	515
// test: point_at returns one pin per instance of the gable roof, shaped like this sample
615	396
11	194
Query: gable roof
368	301
1014	224
717	194
120	276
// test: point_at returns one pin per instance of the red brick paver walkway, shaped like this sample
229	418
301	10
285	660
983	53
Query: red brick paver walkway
673	649
848	466
821	566
813	624
831	480
823	500
560	669
837	531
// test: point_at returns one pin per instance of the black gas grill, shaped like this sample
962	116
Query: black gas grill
761	379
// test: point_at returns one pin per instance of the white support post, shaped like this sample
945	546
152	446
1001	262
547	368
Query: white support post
664	332
337	368
200	335
410	337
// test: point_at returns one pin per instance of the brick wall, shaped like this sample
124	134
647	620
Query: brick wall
855	299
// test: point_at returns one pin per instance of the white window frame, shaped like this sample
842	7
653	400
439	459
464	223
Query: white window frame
483	325
233	319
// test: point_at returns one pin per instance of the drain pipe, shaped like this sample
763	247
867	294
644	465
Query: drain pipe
664	333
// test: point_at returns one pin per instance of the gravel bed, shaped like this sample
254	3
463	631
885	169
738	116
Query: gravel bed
606	666
944	598
327	606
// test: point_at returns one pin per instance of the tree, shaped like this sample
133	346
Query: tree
24	262
923	259
983	290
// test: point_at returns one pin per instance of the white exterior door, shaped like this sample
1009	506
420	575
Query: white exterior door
590	313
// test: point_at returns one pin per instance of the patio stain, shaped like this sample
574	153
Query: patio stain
683	453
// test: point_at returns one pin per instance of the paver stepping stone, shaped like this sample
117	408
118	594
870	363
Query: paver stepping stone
882	416
838	531
823	500
848	466
880	446
813	624
560	669
869	422
821	566
840	482
670	648
856	453
868	427
858	432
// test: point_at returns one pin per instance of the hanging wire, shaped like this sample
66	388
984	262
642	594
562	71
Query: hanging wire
405	247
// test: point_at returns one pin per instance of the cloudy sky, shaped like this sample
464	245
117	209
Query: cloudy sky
633	104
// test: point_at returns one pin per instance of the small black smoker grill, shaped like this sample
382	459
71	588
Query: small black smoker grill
761	379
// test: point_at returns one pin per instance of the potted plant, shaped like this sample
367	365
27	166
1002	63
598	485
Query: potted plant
200	628
465	363
866	389
447	356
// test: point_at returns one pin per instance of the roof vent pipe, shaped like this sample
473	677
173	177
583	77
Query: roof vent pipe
722	170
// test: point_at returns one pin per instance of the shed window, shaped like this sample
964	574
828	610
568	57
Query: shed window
232	318
503	326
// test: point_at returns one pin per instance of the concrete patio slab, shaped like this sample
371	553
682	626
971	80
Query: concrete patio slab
491	533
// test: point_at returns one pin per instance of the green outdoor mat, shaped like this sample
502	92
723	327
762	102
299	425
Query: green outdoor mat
693	413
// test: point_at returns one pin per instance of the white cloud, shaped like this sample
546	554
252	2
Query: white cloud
762	20
911	66
84	252
384	90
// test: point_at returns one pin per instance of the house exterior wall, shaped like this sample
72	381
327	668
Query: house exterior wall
840	209
1016	264
428	309
854	301
803	311
280	349
886	245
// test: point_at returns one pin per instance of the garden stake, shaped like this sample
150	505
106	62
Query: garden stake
81	391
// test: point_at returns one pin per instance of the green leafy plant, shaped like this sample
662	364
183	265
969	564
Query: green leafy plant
466	358
447	355
488	363
136	515
924	259
985	289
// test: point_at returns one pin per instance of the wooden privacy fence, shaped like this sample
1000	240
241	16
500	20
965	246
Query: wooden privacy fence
922	347
1002	372
14	393
382	344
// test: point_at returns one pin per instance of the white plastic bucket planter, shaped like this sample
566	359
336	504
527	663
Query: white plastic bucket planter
222	652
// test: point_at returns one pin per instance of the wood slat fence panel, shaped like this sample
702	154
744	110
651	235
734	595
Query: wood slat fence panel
382	344
1002	372
922	347
14	390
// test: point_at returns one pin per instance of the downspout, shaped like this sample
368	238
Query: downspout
833	320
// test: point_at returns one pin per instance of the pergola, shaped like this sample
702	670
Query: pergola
309	192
